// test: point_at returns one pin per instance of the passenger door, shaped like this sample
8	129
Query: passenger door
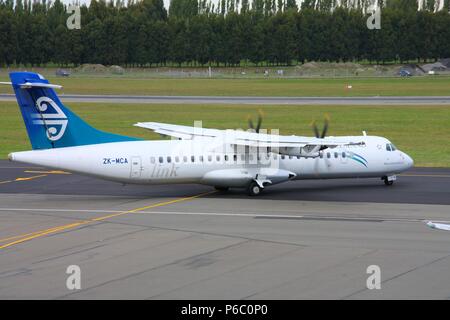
136	167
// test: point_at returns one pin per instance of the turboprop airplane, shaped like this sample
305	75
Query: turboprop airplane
223	159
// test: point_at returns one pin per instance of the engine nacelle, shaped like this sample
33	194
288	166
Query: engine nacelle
307	151
239	178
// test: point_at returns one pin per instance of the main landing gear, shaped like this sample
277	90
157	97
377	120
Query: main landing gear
254	189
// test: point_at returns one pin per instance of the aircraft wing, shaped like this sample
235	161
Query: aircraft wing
246	138
178	131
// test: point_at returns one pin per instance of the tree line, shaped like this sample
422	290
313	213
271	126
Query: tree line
229	33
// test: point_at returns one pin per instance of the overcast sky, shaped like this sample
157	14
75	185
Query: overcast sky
166	2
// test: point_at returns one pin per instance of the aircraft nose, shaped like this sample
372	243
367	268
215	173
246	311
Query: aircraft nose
408	161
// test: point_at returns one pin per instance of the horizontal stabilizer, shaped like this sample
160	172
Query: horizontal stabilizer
29	85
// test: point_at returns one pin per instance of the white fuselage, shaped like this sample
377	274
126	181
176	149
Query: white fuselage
201	161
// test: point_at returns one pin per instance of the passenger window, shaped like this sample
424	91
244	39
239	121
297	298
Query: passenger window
290	157
275	157
152	159
283	156
343	155
218	158
169	159
184	159
235	158
209	158
192	158
321	155
200	158
161	159
328	155
336	155
177	159
226	157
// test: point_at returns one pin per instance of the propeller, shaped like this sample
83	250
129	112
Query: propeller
321	135
258	123
326	123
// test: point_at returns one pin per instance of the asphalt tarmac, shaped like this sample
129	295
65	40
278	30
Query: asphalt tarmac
299	240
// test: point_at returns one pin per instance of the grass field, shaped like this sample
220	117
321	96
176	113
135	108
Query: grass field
414	86
421	131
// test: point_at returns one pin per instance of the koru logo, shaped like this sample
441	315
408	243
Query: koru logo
55	122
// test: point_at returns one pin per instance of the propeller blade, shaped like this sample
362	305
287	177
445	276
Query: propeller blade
250	122
316	129
258	124
260	118
326	123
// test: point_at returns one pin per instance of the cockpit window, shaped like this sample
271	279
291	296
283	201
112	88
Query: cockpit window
390	147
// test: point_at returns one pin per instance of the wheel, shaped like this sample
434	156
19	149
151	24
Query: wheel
221	188
254	189
387	182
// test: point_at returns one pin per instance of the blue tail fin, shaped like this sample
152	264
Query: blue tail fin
49	123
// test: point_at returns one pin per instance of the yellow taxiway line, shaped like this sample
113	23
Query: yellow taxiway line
23	178
30	178
48	172
44	174
37	234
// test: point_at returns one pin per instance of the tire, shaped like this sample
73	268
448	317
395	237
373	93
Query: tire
254	189
387	182
221	188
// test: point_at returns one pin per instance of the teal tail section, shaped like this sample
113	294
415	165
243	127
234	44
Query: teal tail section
49	123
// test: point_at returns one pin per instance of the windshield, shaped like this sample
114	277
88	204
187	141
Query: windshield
390	147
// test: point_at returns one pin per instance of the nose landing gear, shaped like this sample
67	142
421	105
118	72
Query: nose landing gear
389	180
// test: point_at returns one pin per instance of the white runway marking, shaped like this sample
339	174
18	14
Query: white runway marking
224	214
